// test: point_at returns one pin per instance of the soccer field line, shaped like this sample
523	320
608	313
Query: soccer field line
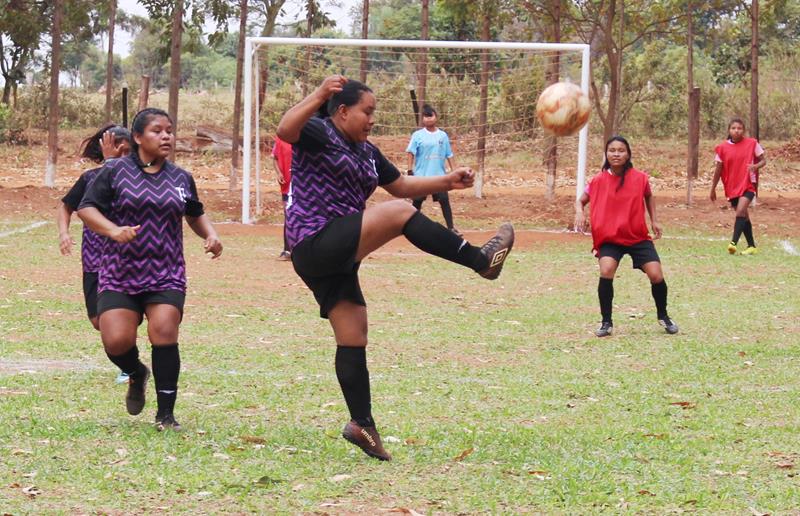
23	229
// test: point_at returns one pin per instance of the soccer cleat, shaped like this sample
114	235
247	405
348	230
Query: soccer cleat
285	256
731	248
137	385
496	251
167	422
669	326
605	329
367	439
750	251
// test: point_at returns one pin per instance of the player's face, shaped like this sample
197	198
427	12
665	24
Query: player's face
157	139
736	131
429	121
617	154
357	120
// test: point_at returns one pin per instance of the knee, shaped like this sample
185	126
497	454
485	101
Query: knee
162	334
656	278
117	343
400	211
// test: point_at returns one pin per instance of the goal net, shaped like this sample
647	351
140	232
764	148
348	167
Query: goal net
484	95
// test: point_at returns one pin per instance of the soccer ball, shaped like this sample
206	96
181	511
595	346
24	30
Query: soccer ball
563	109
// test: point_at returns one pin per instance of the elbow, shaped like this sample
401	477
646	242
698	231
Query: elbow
285	133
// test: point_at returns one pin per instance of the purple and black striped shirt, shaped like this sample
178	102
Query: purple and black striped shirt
91	242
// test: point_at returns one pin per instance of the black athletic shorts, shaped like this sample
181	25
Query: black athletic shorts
90	293
109	300
641	253
326	262
749	195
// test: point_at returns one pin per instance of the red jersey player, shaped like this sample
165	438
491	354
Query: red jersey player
282	162
618	196
737	162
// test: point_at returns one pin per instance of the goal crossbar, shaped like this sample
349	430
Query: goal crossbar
252	44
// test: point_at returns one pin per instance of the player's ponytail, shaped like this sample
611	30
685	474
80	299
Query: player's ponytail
628	164
90	147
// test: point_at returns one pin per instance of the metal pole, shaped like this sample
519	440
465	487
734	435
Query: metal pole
257	77
583	136
248	93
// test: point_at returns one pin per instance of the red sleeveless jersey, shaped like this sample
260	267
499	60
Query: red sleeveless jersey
618	214
735	158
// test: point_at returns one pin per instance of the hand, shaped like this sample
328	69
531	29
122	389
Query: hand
580	222
213	245
752	167
281	180
410	172
461	178
656	230
65	244
713	195
330	86
108	146
124	234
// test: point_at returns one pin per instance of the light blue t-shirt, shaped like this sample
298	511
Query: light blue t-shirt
430	150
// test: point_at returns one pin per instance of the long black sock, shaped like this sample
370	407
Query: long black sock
659	291
285	240
435	239
417	202
447	212
748	233
605	291
166	369
738	227
353	376
128	362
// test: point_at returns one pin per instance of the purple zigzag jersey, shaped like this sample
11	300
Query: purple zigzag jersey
331	178
91	243
128	196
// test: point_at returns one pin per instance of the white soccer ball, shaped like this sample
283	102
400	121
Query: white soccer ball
563	109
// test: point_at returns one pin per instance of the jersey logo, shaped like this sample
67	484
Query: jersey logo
181	193
374	168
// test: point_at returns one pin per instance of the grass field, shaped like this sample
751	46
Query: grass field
492	396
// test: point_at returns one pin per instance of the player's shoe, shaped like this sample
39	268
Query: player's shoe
167	422
496	251
750	251
367	439
605	329
668	325
731	248
137	385
285	256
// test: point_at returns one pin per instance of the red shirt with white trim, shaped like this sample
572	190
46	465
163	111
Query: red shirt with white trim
618	213
735	157
282	151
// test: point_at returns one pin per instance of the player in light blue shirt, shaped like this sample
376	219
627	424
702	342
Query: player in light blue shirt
427	151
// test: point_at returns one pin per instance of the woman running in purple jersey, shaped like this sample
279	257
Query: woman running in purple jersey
330	229
138	202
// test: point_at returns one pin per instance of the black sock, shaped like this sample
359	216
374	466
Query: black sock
605	291
435	239
285	240
659	291
417	203
447	212
353	376
166	369
748	233
128	362
738	227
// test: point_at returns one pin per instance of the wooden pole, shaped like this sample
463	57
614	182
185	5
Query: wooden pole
175	69
484	102
364	35
53	114
754	128
237	99
144	93
125	107
110	60
694	143
422	69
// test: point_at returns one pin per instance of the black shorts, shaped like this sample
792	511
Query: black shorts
90	293
109	300
326	262
437	197
748	195
641	253
285	197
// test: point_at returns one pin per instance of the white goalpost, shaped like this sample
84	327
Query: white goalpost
397	62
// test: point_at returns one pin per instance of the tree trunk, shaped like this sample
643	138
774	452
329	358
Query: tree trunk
553	72
364	35
614	57
754	129
112	17
52	121
422	66
6	90
692	156
144	93
175	68
484	102
237	100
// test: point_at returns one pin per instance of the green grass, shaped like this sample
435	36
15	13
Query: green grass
557	421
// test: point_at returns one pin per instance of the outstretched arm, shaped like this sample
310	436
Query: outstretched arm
293	120
411	186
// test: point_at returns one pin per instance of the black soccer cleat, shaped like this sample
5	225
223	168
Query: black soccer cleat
668	325
496	251
167	422
605	329
367	439
137	385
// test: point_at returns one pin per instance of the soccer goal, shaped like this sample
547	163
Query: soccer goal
484	93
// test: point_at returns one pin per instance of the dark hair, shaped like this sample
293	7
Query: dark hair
141	120
349	96
90	147
427	110
628	164
734	120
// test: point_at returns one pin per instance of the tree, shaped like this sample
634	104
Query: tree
237	101
22	22
52	122
112	18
